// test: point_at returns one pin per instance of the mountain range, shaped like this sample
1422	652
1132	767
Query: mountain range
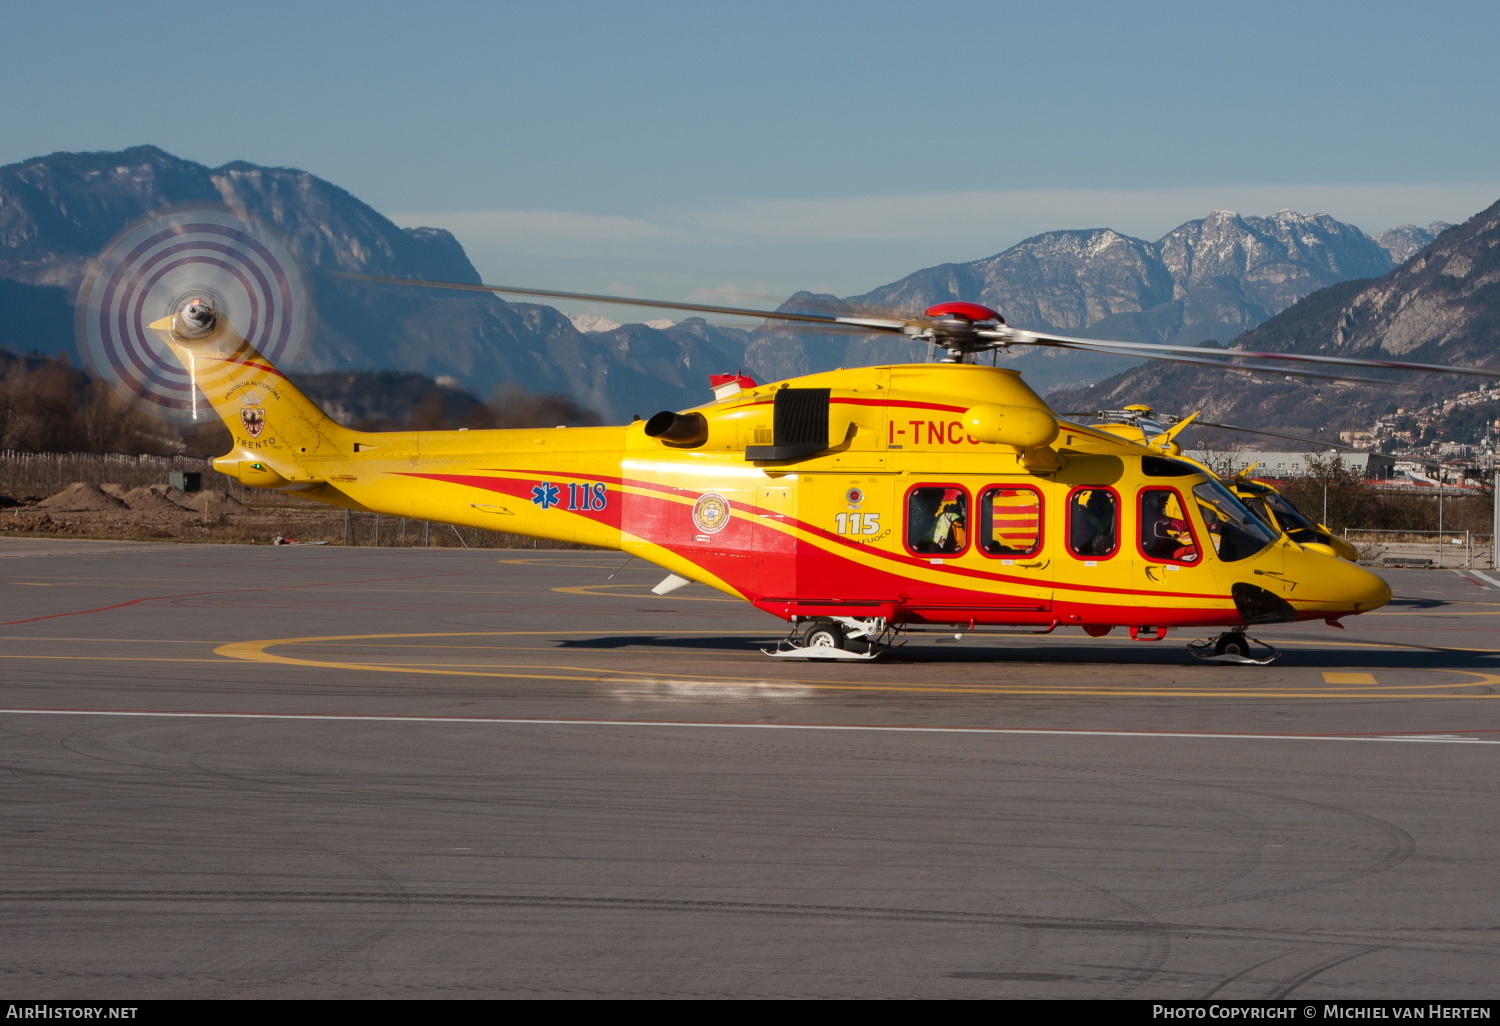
1442	305
1209	278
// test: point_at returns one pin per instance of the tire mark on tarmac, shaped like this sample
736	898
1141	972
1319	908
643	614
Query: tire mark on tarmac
857	912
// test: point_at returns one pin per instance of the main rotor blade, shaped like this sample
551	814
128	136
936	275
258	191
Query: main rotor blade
1036	338
1314	441
1243	368
1290	438
1270	434
868	323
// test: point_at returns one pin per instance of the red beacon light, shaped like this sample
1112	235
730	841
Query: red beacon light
971	312
726	385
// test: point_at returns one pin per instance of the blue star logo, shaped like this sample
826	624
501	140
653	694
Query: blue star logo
545	494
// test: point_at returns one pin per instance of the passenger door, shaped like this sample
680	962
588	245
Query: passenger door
1010	536
1169	553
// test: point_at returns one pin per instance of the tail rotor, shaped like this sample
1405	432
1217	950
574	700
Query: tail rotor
204	268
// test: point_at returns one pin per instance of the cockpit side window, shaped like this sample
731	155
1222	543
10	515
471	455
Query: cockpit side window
1234	530
937	520
1093	522
1166	532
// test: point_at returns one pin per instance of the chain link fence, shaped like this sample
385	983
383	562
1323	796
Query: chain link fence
39	474
1458	550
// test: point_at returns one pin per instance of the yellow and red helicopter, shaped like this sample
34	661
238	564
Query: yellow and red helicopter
857	504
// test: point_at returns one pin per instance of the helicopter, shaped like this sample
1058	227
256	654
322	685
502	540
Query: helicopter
859	505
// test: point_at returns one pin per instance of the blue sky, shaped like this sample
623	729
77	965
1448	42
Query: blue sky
730	149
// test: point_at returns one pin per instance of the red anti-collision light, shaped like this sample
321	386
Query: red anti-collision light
719	380
968	311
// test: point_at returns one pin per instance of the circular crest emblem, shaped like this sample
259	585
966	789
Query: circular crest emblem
711	512
854	496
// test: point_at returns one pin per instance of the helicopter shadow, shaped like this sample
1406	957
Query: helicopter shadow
1415	657
1412	602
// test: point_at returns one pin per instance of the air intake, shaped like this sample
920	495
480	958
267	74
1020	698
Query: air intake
801	423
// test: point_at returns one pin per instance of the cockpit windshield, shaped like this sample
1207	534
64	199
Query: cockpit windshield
1233	529
1289	516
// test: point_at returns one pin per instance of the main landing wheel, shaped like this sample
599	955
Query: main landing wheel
824	634
1232	643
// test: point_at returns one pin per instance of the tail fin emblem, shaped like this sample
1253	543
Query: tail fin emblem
254	419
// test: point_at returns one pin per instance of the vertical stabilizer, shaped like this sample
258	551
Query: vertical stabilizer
275	427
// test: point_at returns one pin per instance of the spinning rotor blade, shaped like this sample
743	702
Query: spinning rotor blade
1108	414
1278	434
1036	339
963	336
868	323
241	268
1243	368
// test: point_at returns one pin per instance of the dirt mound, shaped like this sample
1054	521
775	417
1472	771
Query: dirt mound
217	501
118	491
80	497
149	501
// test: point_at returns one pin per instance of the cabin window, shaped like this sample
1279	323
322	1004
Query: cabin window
1166	532
1233	529
1162	466
1093	522
937	520
1010	521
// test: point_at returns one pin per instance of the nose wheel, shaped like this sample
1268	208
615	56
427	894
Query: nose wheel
1234	647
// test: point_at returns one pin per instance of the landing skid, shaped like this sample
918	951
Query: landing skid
1233	647
785	649
842	637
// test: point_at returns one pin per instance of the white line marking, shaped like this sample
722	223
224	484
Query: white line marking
1485	577
730	725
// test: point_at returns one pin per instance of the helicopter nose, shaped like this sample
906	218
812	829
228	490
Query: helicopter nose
1334	585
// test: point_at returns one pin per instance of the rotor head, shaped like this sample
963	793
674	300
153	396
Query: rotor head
962	328
196	316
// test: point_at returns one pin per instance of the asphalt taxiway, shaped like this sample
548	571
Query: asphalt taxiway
309	771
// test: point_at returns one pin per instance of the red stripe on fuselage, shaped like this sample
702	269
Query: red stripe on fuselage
903	404
766	542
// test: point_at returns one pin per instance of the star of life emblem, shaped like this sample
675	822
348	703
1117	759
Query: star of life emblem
545	495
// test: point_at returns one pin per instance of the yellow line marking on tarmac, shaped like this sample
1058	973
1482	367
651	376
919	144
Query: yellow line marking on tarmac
1438	612
1361	679
1348	678
1336	645
256	651
600	589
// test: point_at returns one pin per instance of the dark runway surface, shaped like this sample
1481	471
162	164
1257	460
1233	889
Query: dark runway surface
310	772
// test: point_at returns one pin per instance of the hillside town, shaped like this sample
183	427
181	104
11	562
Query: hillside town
1459	434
